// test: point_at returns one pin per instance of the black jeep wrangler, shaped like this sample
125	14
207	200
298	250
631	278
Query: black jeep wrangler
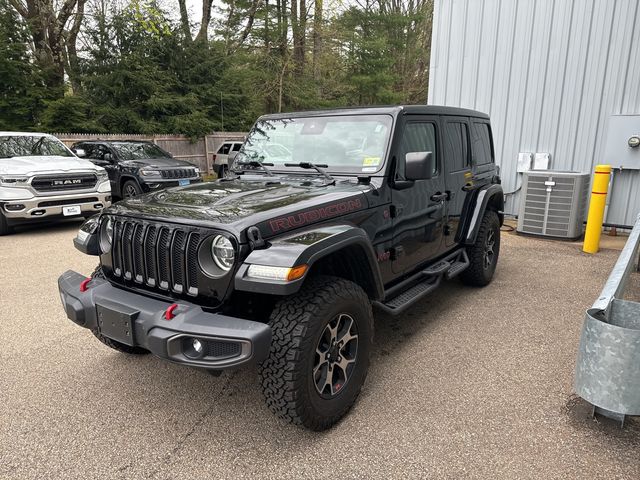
135	167
323	216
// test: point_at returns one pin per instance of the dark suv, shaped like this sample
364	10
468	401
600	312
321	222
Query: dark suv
323	216
136	167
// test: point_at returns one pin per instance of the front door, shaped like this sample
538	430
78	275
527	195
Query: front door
458	175
417	209
102	156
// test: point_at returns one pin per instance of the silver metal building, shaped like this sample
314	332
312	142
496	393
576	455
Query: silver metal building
551	73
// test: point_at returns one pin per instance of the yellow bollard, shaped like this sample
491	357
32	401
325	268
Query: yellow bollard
596	208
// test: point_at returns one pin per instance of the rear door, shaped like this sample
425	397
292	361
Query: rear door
416	211
458	175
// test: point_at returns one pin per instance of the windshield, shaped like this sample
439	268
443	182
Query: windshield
32	146
139	151
352	144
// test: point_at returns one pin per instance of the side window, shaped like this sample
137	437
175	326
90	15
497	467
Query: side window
458	146
224	149
417	137
95	152
89	150
482	146
236	147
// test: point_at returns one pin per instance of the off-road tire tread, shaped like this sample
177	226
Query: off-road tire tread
281	375
120	347
474	275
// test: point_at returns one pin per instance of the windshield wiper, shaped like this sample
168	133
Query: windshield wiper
317	167
257	164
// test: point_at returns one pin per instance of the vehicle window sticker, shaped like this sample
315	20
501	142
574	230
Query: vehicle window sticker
371	161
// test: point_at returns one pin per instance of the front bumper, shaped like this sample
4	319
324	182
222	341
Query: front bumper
52	205
137	320
153	185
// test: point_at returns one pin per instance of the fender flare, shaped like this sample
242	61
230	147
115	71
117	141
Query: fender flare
492	194
307	247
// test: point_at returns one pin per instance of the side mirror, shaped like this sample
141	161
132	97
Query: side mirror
108	157
79	152
419	166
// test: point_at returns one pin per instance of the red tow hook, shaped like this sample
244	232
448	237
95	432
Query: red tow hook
169	313
84	285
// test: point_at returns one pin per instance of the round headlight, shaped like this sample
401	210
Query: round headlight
223	252
106	234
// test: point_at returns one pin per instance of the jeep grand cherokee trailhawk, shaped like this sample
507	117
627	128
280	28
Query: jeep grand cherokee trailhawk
281	263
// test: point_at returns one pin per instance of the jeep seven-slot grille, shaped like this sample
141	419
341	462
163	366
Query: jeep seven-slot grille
179	173
61	183
158	256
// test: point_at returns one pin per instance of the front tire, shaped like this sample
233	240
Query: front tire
5	229
319	356
483	254
131	189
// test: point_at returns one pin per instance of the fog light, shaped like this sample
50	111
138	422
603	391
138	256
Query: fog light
193	348
14	207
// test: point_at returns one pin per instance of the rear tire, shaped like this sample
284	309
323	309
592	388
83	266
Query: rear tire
120	347
483	254
322	338
222	171
5	229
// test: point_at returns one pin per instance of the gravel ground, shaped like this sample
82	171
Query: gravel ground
473	383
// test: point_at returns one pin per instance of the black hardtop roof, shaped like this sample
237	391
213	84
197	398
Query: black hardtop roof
394	110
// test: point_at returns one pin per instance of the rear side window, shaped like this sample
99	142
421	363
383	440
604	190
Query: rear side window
418	137
236	147
482	148
458	156
224	149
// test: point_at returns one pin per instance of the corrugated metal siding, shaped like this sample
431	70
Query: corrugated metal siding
550	73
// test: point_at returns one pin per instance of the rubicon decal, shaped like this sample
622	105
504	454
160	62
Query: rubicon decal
310	216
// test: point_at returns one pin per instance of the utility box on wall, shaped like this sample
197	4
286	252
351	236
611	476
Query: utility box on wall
553	204
622	149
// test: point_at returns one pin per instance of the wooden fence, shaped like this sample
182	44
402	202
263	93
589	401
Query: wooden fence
198	152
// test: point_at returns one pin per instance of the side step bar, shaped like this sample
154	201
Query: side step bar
401	296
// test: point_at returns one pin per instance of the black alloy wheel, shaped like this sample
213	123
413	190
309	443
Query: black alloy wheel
336	355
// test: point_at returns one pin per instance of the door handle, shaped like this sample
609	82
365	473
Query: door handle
439	197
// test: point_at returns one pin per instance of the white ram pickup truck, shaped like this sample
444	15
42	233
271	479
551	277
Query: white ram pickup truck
41	179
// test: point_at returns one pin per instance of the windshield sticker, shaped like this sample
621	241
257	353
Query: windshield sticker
371	161
369	169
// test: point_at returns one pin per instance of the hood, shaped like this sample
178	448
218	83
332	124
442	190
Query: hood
157	163
244	203
44	165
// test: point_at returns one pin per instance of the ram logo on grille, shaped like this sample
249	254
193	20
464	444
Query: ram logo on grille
68	181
